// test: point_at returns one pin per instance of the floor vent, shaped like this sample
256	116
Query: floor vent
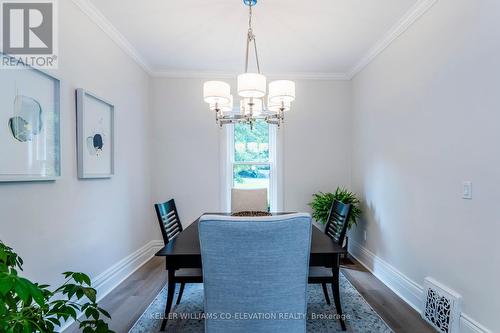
441	307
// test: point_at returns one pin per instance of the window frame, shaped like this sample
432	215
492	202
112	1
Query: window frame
228	163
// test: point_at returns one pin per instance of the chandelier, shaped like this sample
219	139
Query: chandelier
252	89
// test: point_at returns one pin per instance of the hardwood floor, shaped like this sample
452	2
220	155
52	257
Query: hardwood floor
129	300
400	317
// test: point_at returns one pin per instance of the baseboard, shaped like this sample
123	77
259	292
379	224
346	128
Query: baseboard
108	280
111	278
401	285
408	290
469	325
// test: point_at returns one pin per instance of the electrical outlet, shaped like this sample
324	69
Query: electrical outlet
467	190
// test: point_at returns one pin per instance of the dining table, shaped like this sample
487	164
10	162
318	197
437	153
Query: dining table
184	252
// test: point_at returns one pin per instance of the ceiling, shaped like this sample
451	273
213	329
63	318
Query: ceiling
315	37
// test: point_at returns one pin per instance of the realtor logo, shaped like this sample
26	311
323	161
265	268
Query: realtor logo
28	31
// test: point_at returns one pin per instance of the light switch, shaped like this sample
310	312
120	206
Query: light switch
467	190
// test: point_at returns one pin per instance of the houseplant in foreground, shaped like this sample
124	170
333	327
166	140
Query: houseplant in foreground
31	307
322	202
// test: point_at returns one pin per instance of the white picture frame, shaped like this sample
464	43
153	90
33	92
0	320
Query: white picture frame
30	143
95	136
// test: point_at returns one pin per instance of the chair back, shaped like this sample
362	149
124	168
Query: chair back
255	266
170	224
336	226
249	200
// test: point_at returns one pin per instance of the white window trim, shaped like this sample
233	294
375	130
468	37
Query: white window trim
275	159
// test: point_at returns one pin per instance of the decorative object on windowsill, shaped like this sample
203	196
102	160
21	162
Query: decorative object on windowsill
30	307
252	90
322	202
251	214
95	136
30	146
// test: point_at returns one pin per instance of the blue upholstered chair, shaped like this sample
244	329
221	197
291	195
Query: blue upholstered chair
255	272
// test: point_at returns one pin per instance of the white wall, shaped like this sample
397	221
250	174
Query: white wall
316	136
426	118
87	225
187	161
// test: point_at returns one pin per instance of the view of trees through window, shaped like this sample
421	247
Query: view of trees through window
251	165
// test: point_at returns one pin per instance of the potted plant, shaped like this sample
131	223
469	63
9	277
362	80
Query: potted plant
322	202
27	307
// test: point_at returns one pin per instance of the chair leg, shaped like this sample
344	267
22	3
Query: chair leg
325	292
336	294
170	297
180	294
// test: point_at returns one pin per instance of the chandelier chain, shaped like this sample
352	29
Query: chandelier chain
251	39
250	17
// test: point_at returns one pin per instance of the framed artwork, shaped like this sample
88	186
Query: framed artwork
30	147
95	136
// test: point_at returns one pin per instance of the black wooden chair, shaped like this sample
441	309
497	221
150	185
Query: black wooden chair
336	229
170	226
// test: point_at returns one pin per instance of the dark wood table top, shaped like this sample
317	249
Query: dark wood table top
184	250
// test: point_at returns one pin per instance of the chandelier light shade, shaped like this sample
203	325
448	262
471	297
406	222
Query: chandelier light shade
216	92
252	85
282	91
252	88
224	107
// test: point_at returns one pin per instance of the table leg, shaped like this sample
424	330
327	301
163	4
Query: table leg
336	291
325	292
180	293
170	296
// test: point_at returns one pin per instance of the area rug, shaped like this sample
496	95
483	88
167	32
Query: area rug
360	317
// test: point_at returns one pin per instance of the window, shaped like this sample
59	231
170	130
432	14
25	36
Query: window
251	160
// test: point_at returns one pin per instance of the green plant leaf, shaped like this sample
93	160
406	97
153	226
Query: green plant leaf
91	294
36	293
77	277
79	293
86	279
22	290
31	307
88	329
55	321
105	313
322	203
92	312
6	284
27	328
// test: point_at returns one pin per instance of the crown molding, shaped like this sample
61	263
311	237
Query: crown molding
233	75
188	74
311	76
417	11
102	22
